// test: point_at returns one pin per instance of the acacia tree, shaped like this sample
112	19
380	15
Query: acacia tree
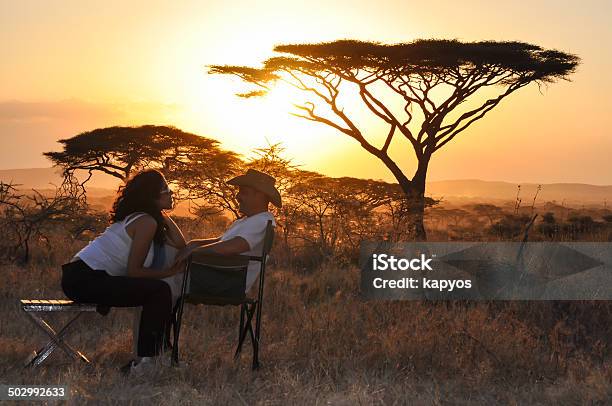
195	163
340	212
270	159
118	151
432	76
219	195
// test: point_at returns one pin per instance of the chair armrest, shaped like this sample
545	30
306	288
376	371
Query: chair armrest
223	260
219	260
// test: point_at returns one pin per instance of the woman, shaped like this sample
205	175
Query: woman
119	268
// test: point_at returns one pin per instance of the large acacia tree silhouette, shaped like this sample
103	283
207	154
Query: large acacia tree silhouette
433	77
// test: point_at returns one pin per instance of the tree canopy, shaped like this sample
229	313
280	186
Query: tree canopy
117	151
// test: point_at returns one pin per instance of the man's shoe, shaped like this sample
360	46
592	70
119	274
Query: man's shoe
145	365
125	370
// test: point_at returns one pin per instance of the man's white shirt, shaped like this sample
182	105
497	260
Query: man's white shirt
252	229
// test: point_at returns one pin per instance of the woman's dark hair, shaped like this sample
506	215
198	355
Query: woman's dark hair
139	194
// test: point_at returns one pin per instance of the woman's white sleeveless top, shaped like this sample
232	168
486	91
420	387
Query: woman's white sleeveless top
110	250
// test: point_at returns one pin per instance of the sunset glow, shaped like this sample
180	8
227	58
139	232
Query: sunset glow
76	67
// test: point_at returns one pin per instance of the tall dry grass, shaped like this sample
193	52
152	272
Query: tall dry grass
323	344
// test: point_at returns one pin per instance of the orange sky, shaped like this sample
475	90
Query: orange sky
71	66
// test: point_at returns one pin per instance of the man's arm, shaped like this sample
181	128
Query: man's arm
236	245
195	243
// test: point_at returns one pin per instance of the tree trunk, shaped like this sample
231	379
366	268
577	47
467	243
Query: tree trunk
413	189
322	238
26	249
415	195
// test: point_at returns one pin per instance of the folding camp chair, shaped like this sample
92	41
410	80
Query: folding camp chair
36	308
220	281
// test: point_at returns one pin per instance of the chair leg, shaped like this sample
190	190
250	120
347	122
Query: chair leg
247	327
178	314
241	330
176	319
56	341
241	326
255	343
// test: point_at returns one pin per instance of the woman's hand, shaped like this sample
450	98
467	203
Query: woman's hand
184	253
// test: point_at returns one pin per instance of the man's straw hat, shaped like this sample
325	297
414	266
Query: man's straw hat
259	181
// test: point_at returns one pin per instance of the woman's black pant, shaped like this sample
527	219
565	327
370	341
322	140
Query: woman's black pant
85	285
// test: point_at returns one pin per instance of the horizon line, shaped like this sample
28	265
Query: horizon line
428	181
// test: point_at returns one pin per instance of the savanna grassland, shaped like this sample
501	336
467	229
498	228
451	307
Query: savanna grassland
323	344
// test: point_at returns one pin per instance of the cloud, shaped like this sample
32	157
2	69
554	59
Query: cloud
29	128
80	110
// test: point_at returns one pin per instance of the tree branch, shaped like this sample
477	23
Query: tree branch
389	138
475	114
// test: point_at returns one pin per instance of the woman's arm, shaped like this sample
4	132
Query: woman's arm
174	234
144	230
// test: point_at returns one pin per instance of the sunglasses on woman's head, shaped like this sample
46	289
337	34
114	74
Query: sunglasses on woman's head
166	190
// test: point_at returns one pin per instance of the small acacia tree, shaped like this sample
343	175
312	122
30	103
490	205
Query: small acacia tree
435	77
196	164
117	151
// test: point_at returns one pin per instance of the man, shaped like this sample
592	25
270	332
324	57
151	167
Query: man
245	235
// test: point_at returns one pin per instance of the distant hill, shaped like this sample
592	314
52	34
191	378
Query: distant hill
463	189
45	178
571	193
101	188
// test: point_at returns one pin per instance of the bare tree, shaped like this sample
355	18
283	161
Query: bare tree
490	211
25	217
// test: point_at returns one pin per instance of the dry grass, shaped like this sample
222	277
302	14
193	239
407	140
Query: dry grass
322	344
